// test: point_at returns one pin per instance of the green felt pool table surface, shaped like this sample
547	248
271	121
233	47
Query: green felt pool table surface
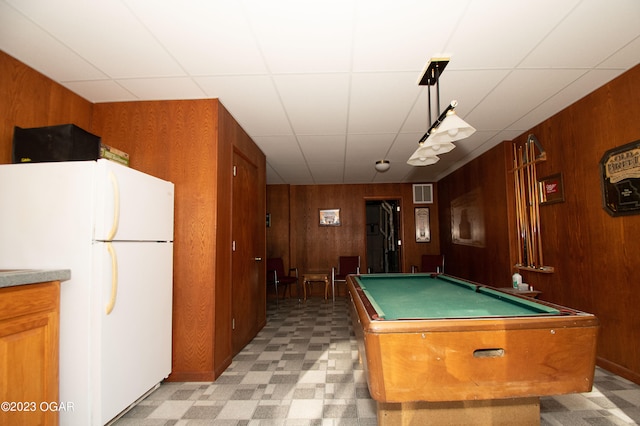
429	296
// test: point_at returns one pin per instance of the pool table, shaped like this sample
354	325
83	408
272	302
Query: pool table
441	350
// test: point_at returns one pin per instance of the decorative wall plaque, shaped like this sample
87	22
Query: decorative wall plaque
620	177
423	229
551	189
329	217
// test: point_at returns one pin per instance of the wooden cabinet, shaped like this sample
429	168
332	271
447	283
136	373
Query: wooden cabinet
29	345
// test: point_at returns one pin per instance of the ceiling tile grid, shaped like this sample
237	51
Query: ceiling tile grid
326	89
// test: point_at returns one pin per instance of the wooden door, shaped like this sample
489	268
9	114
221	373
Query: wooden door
248	230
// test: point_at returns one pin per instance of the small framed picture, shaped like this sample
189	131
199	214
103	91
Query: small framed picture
330	217
551	189
423	230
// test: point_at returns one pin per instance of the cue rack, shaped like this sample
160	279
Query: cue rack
527	197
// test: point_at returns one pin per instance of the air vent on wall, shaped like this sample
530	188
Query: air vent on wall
423	193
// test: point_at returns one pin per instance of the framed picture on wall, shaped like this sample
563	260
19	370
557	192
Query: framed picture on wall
330	217
551	189
423	230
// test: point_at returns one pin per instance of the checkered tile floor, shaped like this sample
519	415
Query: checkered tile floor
303	369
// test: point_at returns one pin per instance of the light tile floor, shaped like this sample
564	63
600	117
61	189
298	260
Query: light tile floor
303	369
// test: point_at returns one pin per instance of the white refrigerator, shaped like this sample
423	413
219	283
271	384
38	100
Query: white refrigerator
112	226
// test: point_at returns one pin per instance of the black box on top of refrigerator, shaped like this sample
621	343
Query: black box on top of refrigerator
66	142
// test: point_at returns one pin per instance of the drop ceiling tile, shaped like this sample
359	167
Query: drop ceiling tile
322	109
100	91
206	37
567	96
297	172
105	33
414	39
163	88
359	172
380	103
327	172
584	39
519	93
322	148
422	174
404	146
25	41
502	32
252	100
272	176
372	147
627	57
297	36
280	149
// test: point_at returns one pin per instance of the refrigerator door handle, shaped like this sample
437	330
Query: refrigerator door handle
116	206
114	279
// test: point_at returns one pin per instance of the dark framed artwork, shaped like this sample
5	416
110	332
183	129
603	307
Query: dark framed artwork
620	179
329	217
551	189
423	229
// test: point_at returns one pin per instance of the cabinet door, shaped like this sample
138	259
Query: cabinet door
29	333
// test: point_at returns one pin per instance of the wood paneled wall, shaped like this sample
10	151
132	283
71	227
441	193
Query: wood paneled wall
480	188
29	99
595	256
296	236
192	144
177	141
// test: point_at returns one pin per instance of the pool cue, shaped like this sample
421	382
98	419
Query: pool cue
532	218
516	182
527	218
537	211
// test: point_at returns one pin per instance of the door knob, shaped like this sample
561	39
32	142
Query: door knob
257	259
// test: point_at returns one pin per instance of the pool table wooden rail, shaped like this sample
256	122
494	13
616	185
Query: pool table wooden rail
473	359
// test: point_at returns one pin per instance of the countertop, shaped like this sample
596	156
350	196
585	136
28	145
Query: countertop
14	277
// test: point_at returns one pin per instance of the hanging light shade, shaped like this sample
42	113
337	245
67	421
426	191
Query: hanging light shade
437	146
452	128
423	156
447	128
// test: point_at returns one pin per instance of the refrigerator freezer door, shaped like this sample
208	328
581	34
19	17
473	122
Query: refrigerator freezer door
132	206
135	347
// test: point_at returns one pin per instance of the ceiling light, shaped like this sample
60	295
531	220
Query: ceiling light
447	128
382	165
435	147
452	128
422	157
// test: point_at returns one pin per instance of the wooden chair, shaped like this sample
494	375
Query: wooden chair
346	265
276	276
430	263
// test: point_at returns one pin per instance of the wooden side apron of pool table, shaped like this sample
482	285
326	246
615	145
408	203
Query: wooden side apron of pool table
433	360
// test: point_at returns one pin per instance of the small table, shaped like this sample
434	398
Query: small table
310	277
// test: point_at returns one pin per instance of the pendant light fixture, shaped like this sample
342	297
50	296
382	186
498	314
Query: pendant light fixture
382	165
447	128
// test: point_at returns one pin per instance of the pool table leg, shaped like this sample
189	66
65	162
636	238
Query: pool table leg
521	411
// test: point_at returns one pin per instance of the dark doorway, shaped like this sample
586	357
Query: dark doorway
383	232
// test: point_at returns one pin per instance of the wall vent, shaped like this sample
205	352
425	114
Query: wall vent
423	193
